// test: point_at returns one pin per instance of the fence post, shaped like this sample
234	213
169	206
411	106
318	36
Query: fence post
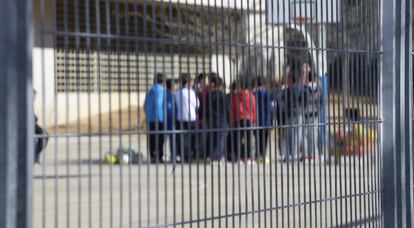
408	83
16	112
396	114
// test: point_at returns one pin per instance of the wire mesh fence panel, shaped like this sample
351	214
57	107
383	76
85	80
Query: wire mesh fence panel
209	113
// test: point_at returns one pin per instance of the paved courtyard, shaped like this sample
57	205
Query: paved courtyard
72	188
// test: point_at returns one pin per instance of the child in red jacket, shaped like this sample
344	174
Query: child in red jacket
244	116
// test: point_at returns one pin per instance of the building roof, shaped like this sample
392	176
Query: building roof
251	5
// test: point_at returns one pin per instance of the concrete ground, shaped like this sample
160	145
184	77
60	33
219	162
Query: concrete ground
72	188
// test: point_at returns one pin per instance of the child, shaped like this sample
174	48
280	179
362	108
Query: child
171	85
154	113
263	119
187	105
291	105
202	87
279	106
311	132
41	141
244	116
231	139
312	106
216	118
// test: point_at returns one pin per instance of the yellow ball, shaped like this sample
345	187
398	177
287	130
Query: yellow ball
116	159
109	159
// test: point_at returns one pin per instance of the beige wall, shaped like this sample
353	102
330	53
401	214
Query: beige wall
60	108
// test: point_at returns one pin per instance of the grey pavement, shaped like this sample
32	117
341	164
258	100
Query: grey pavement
72	188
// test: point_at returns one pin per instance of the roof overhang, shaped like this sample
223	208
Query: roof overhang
245	5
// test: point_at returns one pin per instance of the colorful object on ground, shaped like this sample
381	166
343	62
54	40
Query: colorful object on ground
356	140
124	156
111	159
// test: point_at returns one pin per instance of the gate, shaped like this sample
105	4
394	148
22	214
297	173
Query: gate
184	113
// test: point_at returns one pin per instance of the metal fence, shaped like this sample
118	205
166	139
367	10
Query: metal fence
210	113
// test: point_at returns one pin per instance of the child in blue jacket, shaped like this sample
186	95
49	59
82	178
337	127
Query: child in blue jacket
172	86
154	114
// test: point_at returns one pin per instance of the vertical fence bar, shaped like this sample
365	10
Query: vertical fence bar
410	83
396	141
16	118
388	17
407	125
404	113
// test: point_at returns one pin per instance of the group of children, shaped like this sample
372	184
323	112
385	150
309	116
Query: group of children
203	122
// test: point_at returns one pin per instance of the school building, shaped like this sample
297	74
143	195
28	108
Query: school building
97	56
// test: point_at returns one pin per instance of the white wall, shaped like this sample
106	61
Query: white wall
44	83
226	69
270	39
59	108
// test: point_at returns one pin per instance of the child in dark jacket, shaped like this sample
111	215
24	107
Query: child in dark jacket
40	142
202	86
231	138
263	105
290	103
244	116
216	117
